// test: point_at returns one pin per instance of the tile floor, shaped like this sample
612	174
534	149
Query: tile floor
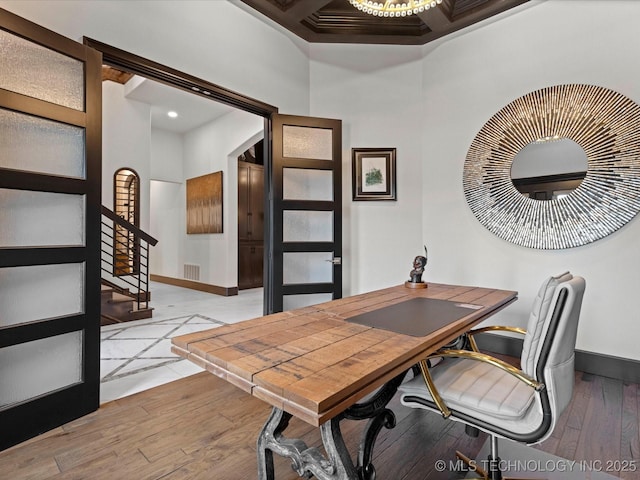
136	356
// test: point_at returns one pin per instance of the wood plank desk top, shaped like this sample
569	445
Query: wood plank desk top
313	364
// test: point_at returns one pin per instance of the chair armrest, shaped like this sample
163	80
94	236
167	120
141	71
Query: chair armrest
433	391
496	362
481	357
491	328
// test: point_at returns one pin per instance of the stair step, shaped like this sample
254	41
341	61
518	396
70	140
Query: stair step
108	320
117	307
105	293
140	314
107	288
120	298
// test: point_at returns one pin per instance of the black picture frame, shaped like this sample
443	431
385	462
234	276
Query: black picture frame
373	174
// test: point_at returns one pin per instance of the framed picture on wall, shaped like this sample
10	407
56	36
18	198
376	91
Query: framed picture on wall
373	173
204	204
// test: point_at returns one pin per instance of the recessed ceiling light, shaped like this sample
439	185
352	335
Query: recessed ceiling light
172	114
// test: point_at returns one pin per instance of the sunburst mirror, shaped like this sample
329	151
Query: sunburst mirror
523	205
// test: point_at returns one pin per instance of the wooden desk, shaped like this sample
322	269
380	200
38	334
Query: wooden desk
313	364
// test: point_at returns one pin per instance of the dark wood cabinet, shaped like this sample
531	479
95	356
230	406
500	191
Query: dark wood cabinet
250	266
250	225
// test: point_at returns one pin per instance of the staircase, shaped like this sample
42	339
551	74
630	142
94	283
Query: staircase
125	282
116	307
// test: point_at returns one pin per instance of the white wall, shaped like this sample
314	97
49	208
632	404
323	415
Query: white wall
167	203
455	88
215	41
210	148
166	155
126	142
167	225
467	80
366	86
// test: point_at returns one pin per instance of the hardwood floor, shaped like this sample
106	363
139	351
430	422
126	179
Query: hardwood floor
201	427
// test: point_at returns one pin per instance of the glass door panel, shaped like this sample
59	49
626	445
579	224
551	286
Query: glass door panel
306	184
31	219
307	267
39	367
39	145
307	226
59	290
39	72
307	142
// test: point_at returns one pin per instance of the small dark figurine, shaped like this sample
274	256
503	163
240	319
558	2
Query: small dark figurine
418	269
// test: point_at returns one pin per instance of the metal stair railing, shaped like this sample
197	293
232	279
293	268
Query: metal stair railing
125	256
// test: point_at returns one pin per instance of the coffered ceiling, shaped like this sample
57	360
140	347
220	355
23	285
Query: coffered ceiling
337	21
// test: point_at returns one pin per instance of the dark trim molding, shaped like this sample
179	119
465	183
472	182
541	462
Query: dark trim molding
193	285
37	330
175	78
26	105
619	368
41	182
29	256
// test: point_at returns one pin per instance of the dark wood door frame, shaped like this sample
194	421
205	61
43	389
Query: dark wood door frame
175	78
144	67
280	204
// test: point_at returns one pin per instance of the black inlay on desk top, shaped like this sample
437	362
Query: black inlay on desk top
417	317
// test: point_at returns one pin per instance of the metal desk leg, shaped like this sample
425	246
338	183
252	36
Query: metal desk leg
308	462
373	408
276	423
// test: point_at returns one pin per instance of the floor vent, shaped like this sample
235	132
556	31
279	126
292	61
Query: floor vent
191	271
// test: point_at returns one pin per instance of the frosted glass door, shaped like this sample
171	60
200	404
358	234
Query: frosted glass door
306	236
49	229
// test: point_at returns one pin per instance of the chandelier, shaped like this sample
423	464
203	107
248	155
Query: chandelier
394	8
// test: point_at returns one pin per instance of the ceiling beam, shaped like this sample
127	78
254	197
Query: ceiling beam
290	18
441	24
115	75
299	10
303	8
435	19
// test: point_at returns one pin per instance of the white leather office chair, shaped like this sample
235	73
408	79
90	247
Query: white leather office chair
488	394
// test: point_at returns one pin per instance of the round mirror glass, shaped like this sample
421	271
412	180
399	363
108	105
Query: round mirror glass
549	168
